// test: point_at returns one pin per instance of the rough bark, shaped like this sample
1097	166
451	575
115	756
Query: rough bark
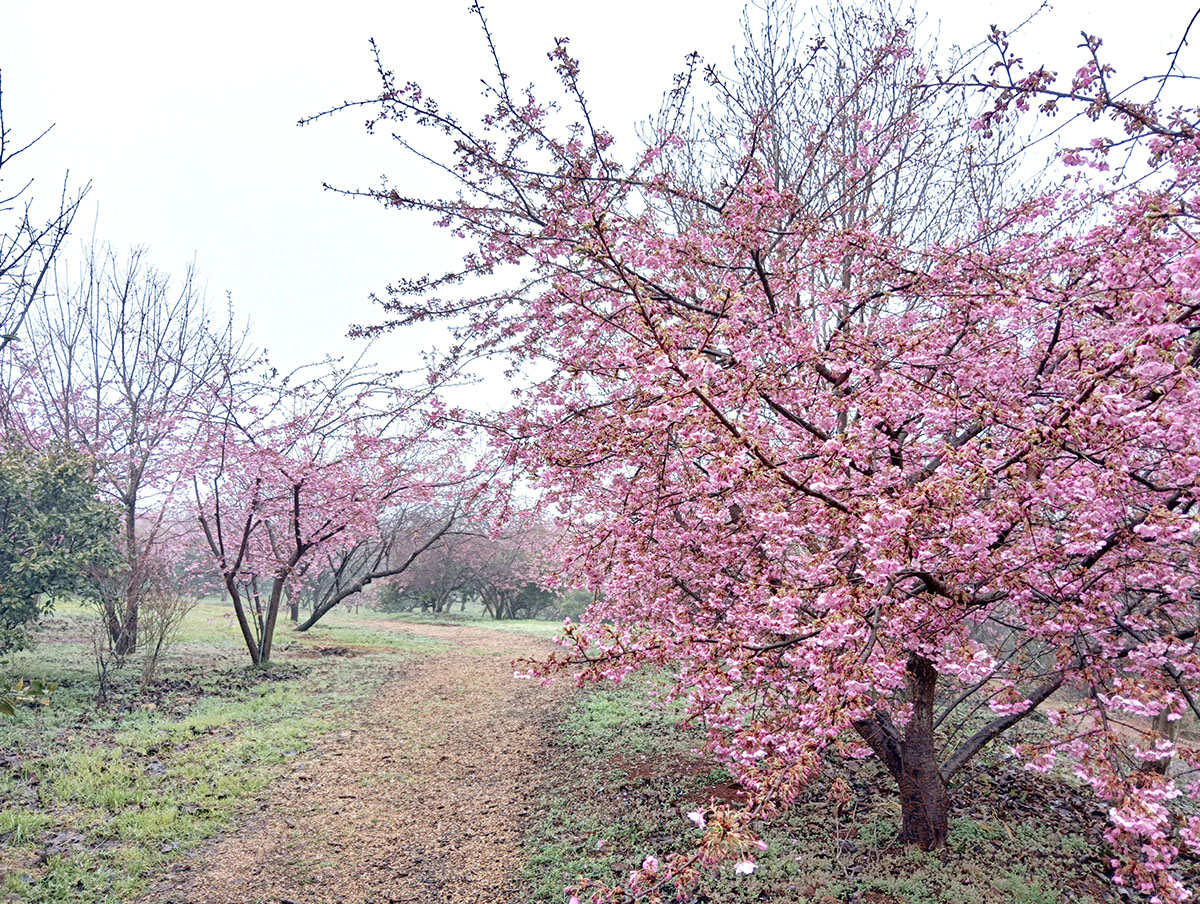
910	760
1162	728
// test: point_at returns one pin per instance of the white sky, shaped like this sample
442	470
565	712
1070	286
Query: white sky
183	116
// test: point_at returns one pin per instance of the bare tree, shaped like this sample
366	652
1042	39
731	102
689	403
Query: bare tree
164	604
28	246
837	136
123	353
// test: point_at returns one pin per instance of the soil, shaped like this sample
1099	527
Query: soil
422	798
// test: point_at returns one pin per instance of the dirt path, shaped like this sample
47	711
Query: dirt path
420	800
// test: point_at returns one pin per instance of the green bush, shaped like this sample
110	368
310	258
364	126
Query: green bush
55	535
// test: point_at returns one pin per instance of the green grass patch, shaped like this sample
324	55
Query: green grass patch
352	634
97	800
534	626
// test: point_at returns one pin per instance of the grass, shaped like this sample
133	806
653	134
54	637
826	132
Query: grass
99	799
474	616
626	777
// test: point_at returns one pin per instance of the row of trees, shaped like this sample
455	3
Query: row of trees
120	383
501	573
310	485
878	452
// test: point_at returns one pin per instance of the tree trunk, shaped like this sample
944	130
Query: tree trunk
924	803
243	621
911	761
268	634
112	620
125	640
1162	728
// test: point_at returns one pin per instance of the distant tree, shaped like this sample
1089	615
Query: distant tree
527	600
390	599
308	468
477	561
55	536
505	570
443	575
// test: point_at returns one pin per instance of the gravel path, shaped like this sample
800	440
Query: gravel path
421	799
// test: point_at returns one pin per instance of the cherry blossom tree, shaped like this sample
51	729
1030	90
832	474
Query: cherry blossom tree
499	566
303	467
438	579
864	490
506	569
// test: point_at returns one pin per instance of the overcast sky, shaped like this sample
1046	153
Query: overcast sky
183	117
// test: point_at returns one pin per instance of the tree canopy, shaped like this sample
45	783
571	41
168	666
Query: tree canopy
866	483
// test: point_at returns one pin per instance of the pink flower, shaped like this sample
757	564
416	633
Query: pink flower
697	816
744	867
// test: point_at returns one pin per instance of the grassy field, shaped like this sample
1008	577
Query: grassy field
536	627
627	777
95	800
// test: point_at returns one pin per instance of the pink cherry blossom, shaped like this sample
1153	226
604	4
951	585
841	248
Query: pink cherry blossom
851	476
